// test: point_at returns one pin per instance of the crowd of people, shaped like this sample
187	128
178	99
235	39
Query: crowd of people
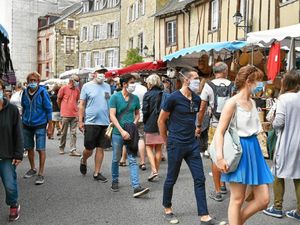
145	119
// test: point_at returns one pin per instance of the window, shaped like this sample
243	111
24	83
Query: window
97	32
130	46
40	68
171	33
112	3
110	58
131	14
85	7
100	4
141	43
47	70
110	30
70	45
47	45
69	68
214	14
83	60
39	47
96	59
71	24
84	34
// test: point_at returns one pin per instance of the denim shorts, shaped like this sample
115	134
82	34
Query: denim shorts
39	135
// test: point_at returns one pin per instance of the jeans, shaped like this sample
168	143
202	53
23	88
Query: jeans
279	188
9	179
73	122
117	145
191	154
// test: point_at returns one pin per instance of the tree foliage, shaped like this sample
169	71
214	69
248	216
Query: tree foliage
133	57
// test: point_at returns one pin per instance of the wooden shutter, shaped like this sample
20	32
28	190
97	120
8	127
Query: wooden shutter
90	33
136	9
128	14
88	60
104	31
116	58
143	7
116	29
102	58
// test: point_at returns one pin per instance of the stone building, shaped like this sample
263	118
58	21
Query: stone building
137	26
58	41
20	19
99	33
182	24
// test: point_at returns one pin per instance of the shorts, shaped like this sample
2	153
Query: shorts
39	135
211	133
56	116
94	137
140	127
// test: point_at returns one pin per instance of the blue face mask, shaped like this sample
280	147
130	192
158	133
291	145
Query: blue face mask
1	95
33	85
259	87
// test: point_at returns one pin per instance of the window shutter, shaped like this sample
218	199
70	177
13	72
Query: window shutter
143	7
133	13
116	58
88	60
91	32
81	34
104	31
136	9
128	15
116	29
80	60
101	58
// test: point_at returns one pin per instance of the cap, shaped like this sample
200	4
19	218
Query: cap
99	69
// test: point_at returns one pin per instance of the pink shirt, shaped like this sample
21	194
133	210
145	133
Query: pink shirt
69	101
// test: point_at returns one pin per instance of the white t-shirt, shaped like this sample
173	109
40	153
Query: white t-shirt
207	95
140	91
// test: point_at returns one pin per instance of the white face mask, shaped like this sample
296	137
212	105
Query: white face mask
194	85
131	88
100	78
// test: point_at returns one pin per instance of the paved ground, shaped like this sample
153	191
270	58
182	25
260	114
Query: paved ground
69	198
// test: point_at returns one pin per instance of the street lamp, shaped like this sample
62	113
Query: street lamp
146	52
237	19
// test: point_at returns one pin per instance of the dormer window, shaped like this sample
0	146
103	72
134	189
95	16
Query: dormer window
86	7
100	4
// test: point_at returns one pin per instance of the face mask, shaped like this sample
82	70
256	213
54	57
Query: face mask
1	95
130	88
194	85
33	85
100	78
258	88
76	83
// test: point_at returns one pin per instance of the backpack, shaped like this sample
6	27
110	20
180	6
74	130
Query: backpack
221	94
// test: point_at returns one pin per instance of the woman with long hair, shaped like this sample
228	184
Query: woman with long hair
252	170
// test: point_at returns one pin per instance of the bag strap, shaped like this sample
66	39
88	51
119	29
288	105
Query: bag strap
127	107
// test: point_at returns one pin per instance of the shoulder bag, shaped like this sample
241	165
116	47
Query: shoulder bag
110	127
232	150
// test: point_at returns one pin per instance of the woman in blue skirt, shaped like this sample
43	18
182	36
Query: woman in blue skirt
252	169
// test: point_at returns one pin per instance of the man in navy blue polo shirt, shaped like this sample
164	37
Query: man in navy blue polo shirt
180	109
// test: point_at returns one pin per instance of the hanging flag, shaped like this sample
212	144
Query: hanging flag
274	62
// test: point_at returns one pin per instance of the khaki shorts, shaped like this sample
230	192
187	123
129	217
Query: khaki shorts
211	133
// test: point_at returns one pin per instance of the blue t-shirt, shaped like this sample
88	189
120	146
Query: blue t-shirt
181	124
96	97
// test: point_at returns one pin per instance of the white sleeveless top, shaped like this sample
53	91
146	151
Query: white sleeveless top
247	122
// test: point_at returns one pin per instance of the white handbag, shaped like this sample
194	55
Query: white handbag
232	150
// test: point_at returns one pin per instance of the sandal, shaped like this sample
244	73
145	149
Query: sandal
143	166
152	176
123	164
